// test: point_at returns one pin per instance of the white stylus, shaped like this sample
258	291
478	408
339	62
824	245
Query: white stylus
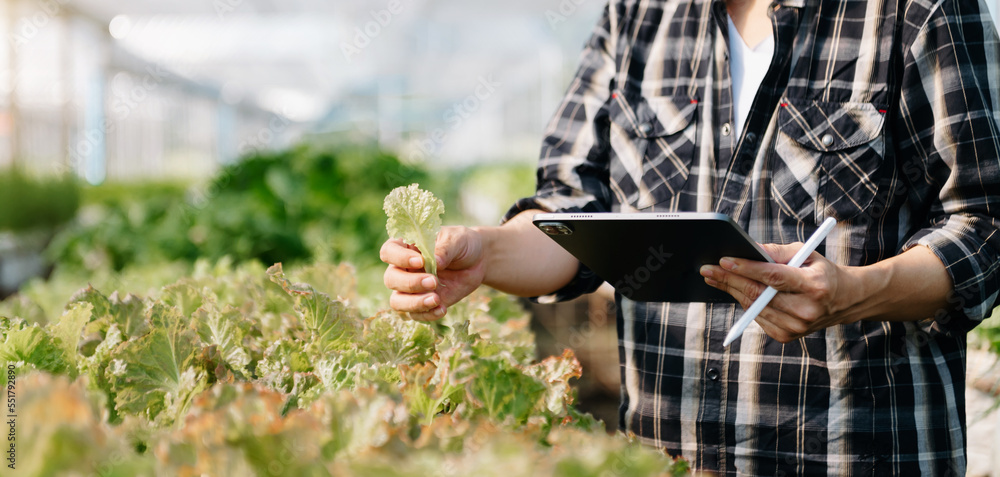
762	301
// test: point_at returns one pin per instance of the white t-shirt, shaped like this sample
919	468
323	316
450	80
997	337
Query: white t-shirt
747	68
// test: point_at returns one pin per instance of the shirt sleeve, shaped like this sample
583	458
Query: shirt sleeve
949	151
573	165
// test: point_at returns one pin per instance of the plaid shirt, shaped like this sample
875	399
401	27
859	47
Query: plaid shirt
883	114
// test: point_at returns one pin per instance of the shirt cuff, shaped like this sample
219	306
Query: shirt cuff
972	264
585	281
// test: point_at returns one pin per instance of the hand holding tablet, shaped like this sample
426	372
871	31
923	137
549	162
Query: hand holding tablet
765	298
656	257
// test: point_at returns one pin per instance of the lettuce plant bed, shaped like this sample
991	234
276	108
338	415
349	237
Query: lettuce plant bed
242	371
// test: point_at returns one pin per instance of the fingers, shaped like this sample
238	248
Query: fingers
395	252
806	300
422	296
405	281
743	289
420	307
787	317
414	303
412	289
746	291
772	326
457	248
781	277
774	320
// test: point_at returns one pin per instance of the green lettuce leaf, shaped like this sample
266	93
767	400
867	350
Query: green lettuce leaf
504	392
335	280
556	372
128	312
331	323
432	387
153	374
415	218
224	329
95	367
68	330
362	422
393	340
183	295
280	361
35	347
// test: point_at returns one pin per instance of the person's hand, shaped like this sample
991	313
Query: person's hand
814	297
461	269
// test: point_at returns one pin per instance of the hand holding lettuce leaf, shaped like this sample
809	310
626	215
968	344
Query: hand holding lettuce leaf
415	218
416	237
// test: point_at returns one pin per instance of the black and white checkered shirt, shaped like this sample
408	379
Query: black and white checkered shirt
881	113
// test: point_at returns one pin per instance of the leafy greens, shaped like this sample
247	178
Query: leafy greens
242	371
415	218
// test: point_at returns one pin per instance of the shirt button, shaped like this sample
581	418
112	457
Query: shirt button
726	129
713	374
645	128
750	139
827	140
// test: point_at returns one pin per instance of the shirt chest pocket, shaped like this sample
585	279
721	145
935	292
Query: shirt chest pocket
828	160
653	143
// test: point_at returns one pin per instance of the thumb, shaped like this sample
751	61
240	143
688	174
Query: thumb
457	248
782	253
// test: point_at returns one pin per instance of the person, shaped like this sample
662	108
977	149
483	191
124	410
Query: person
881	114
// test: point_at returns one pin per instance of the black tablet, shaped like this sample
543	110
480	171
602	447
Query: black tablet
653	256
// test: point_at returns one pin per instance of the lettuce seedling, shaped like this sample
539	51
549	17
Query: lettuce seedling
415	218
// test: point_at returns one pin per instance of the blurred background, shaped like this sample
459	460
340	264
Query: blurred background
106	101
115	89
141	139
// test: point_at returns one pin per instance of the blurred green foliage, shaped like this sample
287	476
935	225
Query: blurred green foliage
485	192
31	203
304	203
987	334
123	192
